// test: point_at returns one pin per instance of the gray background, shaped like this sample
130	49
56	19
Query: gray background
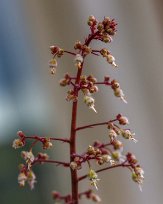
31	99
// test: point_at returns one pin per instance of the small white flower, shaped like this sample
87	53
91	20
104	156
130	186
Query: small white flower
22	178
17	143
118	157
119	93
78	60
53	63
89	101
138	176
74	165
31	178
106	158
93	177
95	198
29	157
112	134
128	135
111	60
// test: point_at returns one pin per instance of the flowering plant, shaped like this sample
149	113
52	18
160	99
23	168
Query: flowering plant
109	154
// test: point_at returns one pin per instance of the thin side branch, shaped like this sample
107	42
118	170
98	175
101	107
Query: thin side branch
40	161
51	138
93	125
68	52
103	169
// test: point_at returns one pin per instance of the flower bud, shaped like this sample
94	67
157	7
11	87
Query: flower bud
63	82
106	158
60	52
92	20
114	84
78	60
111	60
100	26
119	93
128	135
73	165
91	150
22	178
89	101
106	38
47	143
53	63
112	134
95	198
78	45
54	49
20	134
131	158
18	143
117	144
122	120
104	52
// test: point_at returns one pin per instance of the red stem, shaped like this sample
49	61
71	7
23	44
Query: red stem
93	125
65	164
51	138
74	177
105	83
68	52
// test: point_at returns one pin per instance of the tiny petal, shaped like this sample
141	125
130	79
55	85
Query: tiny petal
53	63
17	143
22	178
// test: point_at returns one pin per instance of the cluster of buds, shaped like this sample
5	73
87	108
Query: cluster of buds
82	48
93	177
112	156
100	155
106	28
106	54
71	96
137	171
87	84
46	142
117	90
115	130
26	176
76	163
56	51
65	81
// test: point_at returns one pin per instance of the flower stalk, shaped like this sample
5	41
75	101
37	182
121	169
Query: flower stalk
110	153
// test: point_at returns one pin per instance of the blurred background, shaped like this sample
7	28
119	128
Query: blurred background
31	99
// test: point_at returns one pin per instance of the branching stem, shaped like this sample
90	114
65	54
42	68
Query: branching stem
93	125
103	169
